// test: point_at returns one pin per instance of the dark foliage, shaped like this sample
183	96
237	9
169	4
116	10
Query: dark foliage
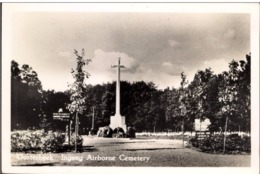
130	133
78	140
214	144
146	108
105	132
119	132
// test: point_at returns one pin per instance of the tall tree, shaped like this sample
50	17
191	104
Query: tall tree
78	90
26	97
244	95
228	97
172	109
204	95
52	102
183	103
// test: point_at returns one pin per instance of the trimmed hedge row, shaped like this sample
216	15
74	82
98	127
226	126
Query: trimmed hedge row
213	144
22	141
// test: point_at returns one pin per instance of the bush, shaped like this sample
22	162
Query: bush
234	144
105	132
36	140
193	142
119	132
79	141
25	140
52	142
246	144
130	132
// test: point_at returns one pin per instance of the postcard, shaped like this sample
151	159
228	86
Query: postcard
130	87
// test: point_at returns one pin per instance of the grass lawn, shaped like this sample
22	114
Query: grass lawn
131	152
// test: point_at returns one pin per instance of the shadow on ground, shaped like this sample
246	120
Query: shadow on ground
88	149
131	142
151	149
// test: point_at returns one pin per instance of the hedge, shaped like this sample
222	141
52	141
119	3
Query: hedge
234	144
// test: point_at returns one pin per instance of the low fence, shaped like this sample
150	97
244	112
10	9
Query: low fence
164	134
191	134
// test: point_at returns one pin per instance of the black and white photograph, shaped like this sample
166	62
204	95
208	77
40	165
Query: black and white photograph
153	86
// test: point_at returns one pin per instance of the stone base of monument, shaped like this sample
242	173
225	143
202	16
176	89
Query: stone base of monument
117	121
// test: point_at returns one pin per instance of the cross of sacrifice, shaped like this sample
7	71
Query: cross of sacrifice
118	120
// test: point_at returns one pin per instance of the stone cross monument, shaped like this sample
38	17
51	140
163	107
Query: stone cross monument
117	120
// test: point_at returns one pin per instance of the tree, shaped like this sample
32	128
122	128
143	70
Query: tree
172	109
204	95
26	97
244	94
159	105
183	102
52	102
77	90
16	95
228	96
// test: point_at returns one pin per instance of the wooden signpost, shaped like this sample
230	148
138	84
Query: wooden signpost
63	117
201	128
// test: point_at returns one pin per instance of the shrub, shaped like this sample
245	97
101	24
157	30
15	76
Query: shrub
130	132
194	142
36	140
79	141
119	132
105	132
246	144
52	142
25	140
234	143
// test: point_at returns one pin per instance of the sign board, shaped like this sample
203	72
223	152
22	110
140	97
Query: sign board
203	125
200	135
61	116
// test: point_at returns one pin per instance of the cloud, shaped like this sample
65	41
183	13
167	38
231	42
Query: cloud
229	34
103	60
174	43
100	66
101	71
171	69
221	40
217	42
217	66
64	54
161	79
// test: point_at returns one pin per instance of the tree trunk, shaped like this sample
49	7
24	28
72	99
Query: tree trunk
76	131
69	133
225	135
182	132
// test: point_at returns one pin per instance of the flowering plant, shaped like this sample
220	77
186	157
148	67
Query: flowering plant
36	140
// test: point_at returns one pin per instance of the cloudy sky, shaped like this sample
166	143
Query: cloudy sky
153	46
